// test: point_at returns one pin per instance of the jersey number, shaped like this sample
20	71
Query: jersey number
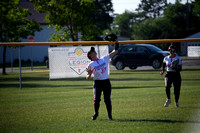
103	70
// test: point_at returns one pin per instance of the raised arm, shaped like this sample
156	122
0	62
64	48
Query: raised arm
115	51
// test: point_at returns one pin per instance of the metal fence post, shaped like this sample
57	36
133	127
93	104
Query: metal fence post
20	74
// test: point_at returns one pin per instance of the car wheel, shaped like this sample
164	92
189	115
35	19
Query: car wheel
156	64
132	67
119	65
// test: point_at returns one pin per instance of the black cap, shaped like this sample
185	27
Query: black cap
89	52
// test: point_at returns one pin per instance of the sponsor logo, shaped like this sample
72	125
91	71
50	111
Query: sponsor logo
78	61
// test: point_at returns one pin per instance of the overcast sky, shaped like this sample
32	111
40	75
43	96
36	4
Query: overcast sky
121	5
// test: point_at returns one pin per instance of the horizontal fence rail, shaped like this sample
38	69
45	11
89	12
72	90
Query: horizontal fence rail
98	42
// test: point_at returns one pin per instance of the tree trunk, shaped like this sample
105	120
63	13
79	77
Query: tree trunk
4	60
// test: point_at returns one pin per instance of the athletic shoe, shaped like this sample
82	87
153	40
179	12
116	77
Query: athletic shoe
94	117
168	101
109	117
176	104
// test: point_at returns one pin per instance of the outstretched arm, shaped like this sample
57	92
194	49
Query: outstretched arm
115	51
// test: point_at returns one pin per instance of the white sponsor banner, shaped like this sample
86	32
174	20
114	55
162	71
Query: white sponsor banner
70	62
193	51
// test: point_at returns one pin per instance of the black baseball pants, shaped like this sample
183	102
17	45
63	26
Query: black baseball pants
105	86
175	78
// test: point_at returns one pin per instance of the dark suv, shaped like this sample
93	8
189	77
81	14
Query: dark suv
134	55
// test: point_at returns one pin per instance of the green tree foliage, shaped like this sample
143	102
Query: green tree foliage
127	24
184	17
196	7
178	21
152	8
14	24
123	23
194	16
71	17
68	17
176	14
153	29
101	17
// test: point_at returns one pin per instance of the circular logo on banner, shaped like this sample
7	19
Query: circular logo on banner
79	52
31	39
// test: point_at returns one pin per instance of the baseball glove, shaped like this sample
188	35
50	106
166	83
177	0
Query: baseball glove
174	64
110	37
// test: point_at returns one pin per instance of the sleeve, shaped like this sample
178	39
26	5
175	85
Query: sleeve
90	65
107	58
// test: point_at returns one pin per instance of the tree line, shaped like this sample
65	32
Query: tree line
155	19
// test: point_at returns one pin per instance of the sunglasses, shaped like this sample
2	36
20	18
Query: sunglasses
171	50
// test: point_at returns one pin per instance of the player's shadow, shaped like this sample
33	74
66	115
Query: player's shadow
156	120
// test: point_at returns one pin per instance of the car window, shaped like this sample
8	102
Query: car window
141	50
154	48
128	49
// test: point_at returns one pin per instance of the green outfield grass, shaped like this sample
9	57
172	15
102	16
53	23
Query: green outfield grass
66	105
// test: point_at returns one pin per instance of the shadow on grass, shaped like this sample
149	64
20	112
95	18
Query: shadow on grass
134	87
117	72
2	86
47	79
133	72
190	79
132	79
189	69
191	107
9	79
148	79
40	79
147	120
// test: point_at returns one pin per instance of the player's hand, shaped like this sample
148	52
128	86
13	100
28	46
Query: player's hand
162	72
89	70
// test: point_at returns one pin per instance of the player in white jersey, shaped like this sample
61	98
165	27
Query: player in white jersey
99	68
174	65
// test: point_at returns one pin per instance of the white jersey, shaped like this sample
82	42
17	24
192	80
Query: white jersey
100	68
168	60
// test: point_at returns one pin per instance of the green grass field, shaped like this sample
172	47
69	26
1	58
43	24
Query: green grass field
66	105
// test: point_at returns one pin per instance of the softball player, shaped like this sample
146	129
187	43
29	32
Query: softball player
99	68
173	75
